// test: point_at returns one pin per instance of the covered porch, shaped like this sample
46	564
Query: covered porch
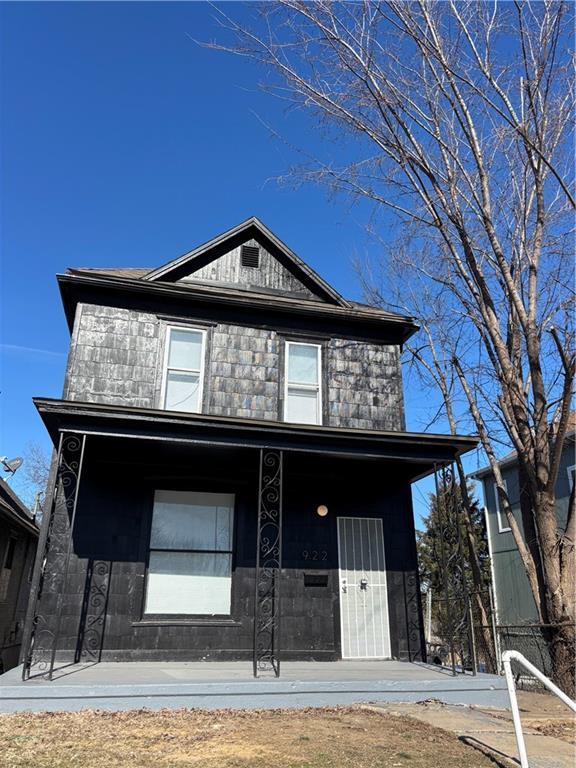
286	576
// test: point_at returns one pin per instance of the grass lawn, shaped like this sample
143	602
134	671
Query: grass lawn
342	737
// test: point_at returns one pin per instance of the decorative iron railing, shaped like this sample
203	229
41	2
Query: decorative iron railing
51	570
268	565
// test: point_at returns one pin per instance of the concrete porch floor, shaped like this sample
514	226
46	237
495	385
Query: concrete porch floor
223	685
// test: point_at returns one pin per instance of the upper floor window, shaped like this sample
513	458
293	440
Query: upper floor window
503	526
184	370
303	395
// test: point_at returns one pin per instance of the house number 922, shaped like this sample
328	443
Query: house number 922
314	554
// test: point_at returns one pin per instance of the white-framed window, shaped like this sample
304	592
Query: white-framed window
190	558
182	382
571	476
302	383
503	526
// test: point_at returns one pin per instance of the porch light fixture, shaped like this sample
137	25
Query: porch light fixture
322	510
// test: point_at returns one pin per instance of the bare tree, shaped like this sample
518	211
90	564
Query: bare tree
460	120
35	468
431	357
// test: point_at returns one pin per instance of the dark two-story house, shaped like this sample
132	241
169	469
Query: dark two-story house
232	471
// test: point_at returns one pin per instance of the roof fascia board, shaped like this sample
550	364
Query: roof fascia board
208	294
486	471
163	272
51	408
11	498
13	519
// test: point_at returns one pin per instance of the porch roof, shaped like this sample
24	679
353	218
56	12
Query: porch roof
423	450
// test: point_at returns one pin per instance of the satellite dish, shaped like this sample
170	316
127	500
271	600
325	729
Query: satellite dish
11	465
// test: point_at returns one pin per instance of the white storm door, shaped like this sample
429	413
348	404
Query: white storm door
363	593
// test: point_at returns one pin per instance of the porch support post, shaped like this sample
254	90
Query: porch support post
268	565
53	559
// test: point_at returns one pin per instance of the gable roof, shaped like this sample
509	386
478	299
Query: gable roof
176	279
251	228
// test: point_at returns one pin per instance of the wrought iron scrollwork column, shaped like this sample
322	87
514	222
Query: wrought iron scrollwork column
52	566
413	608
93	621
268	565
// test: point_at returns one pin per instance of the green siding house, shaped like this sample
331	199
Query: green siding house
513	599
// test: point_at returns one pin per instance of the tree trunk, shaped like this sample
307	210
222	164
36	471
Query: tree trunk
561	642
559	630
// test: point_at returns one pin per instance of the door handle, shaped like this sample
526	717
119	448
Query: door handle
344	586
364	584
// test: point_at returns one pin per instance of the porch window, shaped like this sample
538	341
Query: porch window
190	562
302	396
184	370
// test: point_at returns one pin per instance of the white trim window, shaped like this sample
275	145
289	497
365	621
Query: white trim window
571	476
503	526
302	383
190	560
491	557
183	369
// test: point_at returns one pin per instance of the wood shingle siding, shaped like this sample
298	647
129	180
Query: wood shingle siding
117	358
364	386
244	373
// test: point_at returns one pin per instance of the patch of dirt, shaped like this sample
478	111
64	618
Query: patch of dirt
565	730
340	737
545	713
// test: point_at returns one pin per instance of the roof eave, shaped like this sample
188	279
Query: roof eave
14	508
505	463
26	523
216	294
147	423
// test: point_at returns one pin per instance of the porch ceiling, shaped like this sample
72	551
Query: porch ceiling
422	450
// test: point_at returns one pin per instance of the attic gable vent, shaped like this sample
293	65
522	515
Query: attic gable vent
250	256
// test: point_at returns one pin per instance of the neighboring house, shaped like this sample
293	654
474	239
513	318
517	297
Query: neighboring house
513	598
18	540
221	413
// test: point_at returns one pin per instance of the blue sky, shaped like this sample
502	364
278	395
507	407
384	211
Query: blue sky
124	143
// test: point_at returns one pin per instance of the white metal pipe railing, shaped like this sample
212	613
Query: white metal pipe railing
507	658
